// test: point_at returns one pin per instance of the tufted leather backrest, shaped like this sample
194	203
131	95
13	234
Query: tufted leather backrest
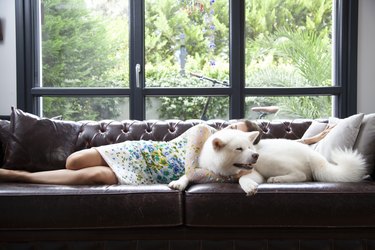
104	132
292	130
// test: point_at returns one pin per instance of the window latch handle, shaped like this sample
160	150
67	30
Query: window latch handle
137	72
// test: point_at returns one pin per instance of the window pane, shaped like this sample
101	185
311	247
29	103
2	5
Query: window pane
185	108
289	107
288	43
84	43
183	37
85	108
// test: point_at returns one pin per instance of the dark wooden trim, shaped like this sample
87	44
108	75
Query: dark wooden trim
352	50
1	31
21	57
50	91
26	31
237	58
335	90
137	100
294	233
5	117
346	56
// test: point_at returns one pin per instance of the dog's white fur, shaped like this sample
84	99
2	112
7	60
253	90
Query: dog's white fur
225	148
220	152
280	161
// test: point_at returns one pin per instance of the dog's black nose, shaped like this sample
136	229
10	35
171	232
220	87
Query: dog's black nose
255	156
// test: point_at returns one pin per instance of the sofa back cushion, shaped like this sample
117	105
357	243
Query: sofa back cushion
37	144
98	133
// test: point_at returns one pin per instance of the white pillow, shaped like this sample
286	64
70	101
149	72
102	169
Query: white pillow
343	135
314	129
365	142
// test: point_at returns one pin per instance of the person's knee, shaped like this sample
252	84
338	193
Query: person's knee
100	176
75	161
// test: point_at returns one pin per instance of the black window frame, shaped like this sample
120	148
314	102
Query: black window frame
345	71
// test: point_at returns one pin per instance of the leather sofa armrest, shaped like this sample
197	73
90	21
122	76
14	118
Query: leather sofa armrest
4	135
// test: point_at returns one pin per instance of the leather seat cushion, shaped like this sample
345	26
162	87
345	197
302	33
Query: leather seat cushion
34	206
300	204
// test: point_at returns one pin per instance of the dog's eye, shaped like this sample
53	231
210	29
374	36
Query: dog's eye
239	149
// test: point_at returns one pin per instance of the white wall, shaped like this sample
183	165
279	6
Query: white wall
366	57
8	78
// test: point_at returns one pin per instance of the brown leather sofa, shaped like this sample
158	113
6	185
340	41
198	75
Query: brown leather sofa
206	216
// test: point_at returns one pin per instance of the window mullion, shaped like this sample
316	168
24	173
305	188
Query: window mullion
346	57
351	50
137	99
237	58
25	56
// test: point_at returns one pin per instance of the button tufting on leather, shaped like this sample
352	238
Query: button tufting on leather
93	134
125	130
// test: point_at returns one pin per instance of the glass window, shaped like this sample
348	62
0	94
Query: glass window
184	108
202	59
84	43
183	37
288	43
288	107
85	108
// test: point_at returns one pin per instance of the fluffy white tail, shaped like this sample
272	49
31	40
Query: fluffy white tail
347	166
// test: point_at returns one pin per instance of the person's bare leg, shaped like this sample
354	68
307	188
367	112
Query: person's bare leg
85	176
82	167
84	159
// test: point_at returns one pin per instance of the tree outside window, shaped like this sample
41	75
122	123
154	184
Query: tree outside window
85	44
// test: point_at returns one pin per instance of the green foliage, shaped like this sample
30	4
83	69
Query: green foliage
169	25
74	43
305	106
288	44
290	47
189	107
309	52
80	50
81	108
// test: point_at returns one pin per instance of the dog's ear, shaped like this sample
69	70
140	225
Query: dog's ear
217	144
253	136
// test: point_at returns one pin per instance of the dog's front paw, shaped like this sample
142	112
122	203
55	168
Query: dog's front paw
179	184
250	187
274	180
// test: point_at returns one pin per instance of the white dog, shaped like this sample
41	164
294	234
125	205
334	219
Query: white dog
282	160
227	152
